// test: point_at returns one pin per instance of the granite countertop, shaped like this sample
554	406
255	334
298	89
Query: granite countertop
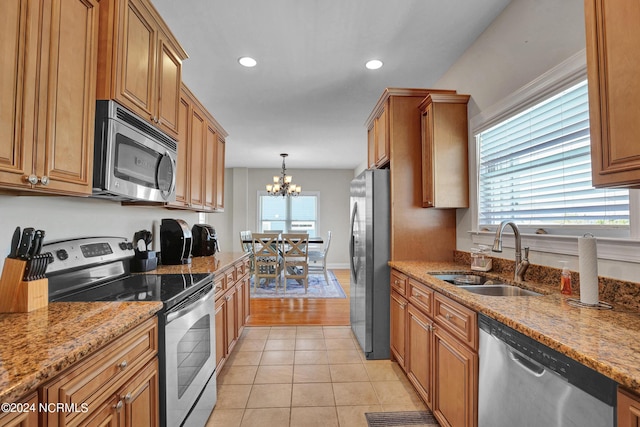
206	264
606	340
38	345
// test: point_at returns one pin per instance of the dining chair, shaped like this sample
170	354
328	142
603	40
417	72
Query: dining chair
295	248
318	259
247	246
266	258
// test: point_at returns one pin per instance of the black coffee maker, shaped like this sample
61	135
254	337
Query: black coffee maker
205	240
175	242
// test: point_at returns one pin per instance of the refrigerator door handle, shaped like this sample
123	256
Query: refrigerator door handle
352	265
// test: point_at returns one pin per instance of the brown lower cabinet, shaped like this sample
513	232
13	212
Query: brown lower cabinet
628	409
117	385
232	307
436	343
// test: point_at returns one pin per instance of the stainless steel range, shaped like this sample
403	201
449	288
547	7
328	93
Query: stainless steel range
97	269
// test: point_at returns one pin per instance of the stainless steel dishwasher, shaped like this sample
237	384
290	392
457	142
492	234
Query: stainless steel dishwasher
527	384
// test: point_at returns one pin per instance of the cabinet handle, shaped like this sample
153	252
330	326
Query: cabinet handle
218	287
432	328
123	365
429	202
44	180
447	316
31	179
127	398
228	297
118	406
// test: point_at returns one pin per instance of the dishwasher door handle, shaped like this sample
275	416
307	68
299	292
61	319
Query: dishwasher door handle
525	363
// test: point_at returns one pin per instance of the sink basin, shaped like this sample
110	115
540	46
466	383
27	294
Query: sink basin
500	291
463	279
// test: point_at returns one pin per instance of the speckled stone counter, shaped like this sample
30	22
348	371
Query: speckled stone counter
37	346
605	340
205	264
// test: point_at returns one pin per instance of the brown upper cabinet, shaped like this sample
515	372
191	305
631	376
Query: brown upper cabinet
140	62
47	108
378	137
201	151
445	168
614	91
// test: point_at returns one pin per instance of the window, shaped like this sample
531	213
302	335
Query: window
535	168
289	214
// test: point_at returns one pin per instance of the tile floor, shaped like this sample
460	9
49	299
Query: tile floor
306	376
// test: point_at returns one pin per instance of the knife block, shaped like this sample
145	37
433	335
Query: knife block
18	296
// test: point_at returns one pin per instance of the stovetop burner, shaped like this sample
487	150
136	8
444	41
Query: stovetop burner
97	269
168	288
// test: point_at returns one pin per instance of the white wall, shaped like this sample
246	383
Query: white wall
69	217
241	191
529	38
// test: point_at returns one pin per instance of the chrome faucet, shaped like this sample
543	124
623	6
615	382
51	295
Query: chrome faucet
521	264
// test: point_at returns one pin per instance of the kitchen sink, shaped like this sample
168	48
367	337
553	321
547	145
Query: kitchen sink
463	279
500	291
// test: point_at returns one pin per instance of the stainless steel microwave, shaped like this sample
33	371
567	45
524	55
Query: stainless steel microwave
132	159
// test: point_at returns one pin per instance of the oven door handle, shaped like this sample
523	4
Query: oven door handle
177	314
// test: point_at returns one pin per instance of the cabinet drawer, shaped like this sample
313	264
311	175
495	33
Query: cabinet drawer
421	296
103	372
399	282
230	274
219	284
458	320
242	268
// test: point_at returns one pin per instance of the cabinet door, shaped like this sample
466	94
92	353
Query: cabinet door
240	290
419	349
382	138
371	146
138	58
197	139
428	196
22	419
628	409
64	158
247	297
614	91
108	414
221	320
169	80
210	145
140	397
182	172
231	302
19	52
219	178
445	168
398	327
455	385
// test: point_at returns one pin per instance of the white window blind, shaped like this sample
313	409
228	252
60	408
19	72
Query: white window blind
535	168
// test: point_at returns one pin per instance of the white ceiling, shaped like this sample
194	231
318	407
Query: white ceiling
310	93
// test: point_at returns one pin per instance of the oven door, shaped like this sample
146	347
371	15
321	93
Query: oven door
190	357
136	166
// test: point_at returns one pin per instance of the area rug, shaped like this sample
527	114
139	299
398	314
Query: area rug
398	419
317	288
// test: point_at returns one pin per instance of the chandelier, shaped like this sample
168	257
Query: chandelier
282	185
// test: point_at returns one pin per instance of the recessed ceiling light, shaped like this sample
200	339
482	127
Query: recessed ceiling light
374	64
247	61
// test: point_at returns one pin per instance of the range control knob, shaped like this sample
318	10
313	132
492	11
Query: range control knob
123	245
62	254
130	246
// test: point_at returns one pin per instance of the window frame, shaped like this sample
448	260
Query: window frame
303	193
614	242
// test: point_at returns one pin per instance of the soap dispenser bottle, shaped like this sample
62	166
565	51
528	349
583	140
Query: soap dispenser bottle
565	279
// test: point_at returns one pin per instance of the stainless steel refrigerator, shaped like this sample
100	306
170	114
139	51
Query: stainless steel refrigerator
369	256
